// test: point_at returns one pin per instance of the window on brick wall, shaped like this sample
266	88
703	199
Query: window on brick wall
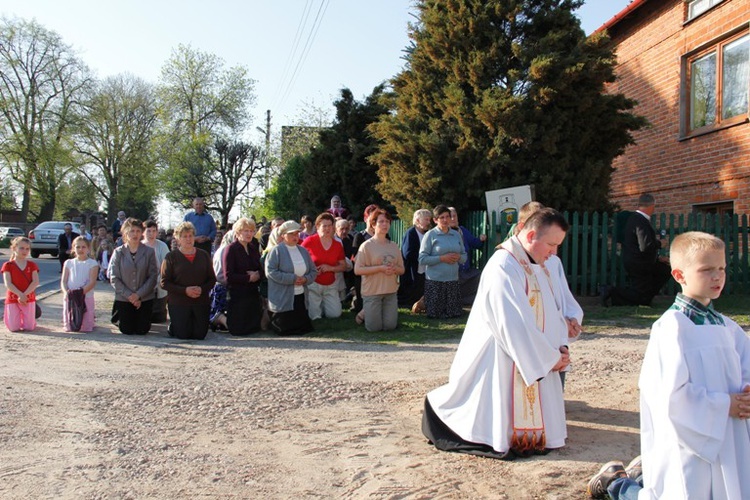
719	83
698	7
725	207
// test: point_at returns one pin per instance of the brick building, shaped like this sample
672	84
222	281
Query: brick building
687	63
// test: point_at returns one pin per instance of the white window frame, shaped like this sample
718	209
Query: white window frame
698	7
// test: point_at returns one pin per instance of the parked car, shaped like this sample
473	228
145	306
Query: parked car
44	236
10	232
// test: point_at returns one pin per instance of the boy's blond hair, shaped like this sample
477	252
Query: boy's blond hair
687	246
526	211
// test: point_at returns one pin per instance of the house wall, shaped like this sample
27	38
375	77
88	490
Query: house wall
710	168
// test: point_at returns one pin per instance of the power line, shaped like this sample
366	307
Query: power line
295	44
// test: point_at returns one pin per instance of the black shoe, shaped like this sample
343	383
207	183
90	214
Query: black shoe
610	471
605	293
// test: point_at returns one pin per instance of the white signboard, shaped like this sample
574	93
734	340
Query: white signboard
506	203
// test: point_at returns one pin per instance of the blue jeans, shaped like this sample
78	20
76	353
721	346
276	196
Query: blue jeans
624	488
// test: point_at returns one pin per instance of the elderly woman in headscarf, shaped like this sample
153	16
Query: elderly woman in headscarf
336	209
290	270
219	292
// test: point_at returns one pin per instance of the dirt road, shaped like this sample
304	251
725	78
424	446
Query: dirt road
102	415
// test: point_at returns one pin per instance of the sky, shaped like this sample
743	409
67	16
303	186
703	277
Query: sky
299	52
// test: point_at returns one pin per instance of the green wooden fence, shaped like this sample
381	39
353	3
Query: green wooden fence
591	253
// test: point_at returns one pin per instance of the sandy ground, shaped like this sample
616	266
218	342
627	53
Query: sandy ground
102	415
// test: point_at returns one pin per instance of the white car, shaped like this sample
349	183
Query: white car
44	236
10	232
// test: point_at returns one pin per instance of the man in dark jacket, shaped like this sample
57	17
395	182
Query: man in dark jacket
646	270
65	244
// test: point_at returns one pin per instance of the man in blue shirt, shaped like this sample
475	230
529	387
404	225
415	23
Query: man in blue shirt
205	226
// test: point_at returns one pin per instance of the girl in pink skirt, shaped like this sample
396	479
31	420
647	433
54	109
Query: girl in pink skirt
79	273
21	277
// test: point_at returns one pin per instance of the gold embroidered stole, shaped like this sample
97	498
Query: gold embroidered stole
528	421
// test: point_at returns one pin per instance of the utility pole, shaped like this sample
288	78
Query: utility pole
267	133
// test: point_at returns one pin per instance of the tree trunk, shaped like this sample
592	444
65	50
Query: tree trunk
25	205
111	210
47	211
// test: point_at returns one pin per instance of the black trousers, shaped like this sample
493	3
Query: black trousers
243	313
159	311
62	257
188	321
645	283
407	296
294	322
134	321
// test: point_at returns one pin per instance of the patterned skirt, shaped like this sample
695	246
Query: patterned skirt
218	300
442	299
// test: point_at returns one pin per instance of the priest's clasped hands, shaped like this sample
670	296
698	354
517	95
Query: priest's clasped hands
739	406
564	360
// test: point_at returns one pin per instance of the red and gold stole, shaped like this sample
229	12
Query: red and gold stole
528	421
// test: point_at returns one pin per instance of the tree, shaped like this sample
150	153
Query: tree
200	101
40	79
284	192
500	93
338	164
114	139
76	193
198	96
234	166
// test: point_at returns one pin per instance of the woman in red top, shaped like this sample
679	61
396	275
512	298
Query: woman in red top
21	277
328	256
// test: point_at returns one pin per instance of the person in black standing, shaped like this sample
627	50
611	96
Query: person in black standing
646	270
65	244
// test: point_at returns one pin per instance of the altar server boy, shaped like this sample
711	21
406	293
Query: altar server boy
695	392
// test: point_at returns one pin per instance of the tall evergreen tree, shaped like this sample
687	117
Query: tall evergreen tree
498	93
339	164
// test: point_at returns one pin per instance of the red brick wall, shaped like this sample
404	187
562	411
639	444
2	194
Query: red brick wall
713	167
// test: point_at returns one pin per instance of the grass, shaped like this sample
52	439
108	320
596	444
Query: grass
419	329
412	329
597	318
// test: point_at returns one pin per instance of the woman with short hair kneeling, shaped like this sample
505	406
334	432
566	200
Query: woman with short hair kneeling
187	274
133	273
380	263
244	272
289	269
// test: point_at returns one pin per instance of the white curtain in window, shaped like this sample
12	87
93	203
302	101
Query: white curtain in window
736	78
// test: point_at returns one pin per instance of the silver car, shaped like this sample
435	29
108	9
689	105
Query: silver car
44	236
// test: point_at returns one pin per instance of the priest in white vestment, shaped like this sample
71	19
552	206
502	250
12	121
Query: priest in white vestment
504	396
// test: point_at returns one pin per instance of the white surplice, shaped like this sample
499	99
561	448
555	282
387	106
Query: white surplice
501	330
566	301
690	447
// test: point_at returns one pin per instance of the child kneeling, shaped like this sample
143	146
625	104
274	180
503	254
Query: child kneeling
78	281
695	392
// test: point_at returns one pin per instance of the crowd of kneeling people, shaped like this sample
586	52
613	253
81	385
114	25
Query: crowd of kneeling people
283	279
